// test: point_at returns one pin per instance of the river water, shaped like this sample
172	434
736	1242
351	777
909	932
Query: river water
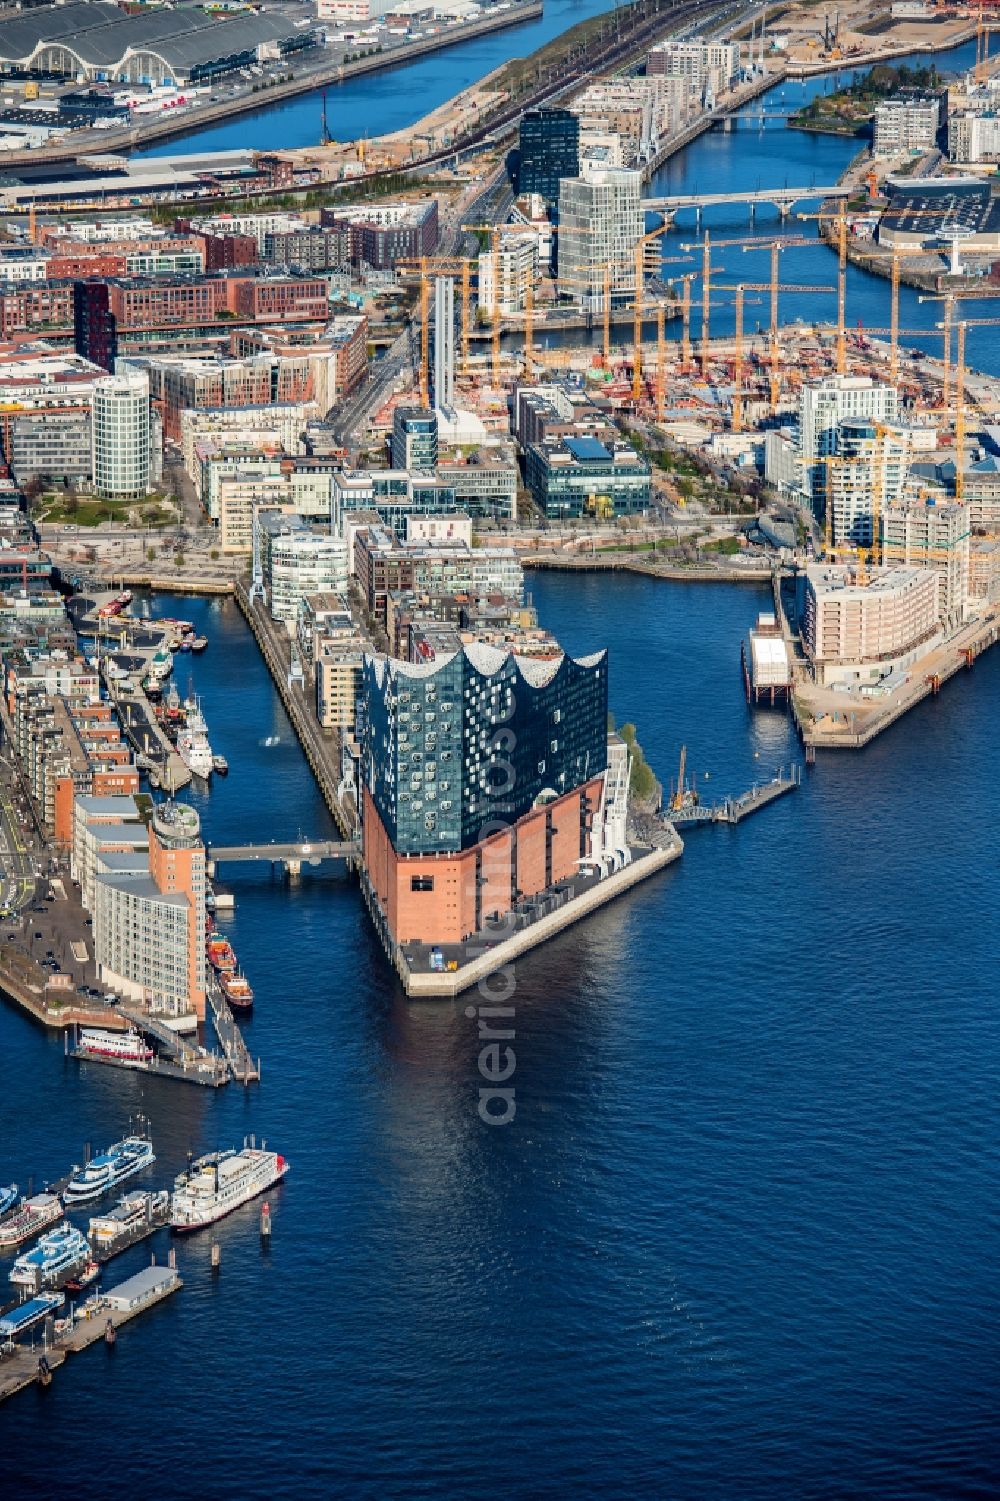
741	1238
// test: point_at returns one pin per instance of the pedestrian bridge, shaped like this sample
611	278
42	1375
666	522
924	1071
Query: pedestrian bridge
783	199
306	852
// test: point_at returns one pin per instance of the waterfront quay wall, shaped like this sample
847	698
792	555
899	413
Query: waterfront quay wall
595	563
933	674
452	983
322	753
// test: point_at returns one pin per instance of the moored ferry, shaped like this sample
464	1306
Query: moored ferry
33	1215
54	1258
237	991
124	1047
135	1212
217	1184
112	1167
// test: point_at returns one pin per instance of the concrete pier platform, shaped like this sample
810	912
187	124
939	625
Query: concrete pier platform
19	1364
484	955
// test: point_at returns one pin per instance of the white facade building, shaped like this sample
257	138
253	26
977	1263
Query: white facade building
518	262
298	562
121	435
924	535
600	223
906	125
858	630
824	405
868	474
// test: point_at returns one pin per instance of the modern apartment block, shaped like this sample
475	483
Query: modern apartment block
710	67
149	915
600	223
507	277
859	629
823	406
483	780
867	475
936	537
297	561
121	435
903	125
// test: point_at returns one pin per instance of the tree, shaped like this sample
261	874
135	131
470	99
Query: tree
150	554
178	560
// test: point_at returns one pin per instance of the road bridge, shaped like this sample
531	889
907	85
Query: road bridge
783	199
307	852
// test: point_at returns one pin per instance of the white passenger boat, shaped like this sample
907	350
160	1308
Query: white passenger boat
133	1212
128	1047
33	1215
193	745
53	1259
217	1184
112	1167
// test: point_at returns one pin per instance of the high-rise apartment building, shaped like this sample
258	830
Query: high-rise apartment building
823	406
121	435
600	223
549	142
444	344
710	67
867	475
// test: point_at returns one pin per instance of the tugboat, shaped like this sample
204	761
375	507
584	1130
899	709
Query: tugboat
84	1278
237	991
121	1161
198	643
220	765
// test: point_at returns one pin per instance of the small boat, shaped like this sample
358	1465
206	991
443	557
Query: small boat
217	1184
112	1167
84	1278
221	765
54	1257
219	952
237	991
128	1047
184	644
8	1198
33	1215
199	643
173	699
152	689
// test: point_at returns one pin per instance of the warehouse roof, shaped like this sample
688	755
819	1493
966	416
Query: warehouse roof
99	35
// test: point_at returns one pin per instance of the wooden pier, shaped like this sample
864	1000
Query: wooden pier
237	1054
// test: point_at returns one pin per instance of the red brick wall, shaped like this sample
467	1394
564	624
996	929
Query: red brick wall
447	914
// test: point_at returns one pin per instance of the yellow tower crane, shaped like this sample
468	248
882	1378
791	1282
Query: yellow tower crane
439	265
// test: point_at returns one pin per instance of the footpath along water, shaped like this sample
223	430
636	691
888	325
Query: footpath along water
738	1238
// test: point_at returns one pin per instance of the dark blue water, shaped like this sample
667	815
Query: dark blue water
740	1239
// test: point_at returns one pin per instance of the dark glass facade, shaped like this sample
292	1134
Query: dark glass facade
478	738
549	151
